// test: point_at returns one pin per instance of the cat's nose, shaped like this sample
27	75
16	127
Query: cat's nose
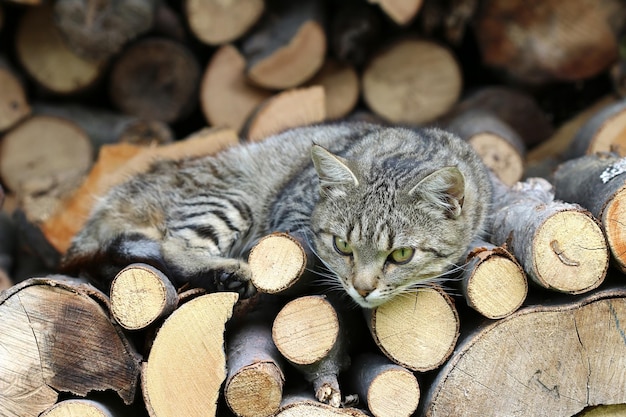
364	292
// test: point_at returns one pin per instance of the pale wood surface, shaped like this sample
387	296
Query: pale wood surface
78	407
341	88
14	105
216	22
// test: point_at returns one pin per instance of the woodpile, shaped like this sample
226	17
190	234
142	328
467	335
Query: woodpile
531	324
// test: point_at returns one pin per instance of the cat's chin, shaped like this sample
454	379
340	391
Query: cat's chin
371	301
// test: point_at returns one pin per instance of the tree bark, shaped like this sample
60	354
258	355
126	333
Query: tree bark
417	331
186	365
427	87
216	22
559	245
597	183
544	360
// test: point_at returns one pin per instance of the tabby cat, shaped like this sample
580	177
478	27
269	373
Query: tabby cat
385	210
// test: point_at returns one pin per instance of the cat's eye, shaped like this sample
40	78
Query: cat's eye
401	255
341	246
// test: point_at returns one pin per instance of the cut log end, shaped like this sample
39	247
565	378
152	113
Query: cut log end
341	88
500	156
256	390
140	295
614	227
571	253
417	331
78	407
276	261
306	329
13	102
218	22
393	393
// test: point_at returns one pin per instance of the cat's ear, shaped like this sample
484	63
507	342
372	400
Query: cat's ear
444	188
332	170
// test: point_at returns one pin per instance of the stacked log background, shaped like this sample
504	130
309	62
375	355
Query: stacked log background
92	91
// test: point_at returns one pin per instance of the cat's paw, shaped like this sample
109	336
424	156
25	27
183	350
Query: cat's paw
236	279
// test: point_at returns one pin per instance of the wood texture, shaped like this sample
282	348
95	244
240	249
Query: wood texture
400	11
545	360
14	105
418	330
426	88
603	132
78	407
303	405
217	22
559	245
190	343
341	88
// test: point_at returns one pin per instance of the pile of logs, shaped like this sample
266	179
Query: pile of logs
532	324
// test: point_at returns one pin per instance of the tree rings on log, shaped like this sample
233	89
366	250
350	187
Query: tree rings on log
412	81
418	330
189	346
605	131
78	407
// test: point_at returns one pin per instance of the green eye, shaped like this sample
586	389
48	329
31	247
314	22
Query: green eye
341	246
401	255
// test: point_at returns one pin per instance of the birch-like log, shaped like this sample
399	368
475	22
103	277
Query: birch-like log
597	182
560	245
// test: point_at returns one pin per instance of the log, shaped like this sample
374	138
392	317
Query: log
226	96
288	109
418	330
47	59
254	384
288	46
79	407
216	22
155	79
355	31
453	18
544	360
14	104
401	12
308	333
389	390
114	165
140	296
341	88
597	183
559	245
8	252
493	282
106	127
426	88
277	262
58	337
97	30
603	132
303	405
497	144
186	365
538	44
43	148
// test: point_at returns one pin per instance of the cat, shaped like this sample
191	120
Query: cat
385	209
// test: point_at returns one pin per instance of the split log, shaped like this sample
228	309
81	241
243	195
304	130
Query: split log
401	12
187	365
497	144
299	405
288	109
47	59
603	132
140	295
545	360
79	407
254	385
288	45
114	165
536	44
513	106
226	96
417	331
13	101
493	282
58	337
389	390
277	262
559	245
426	87
96	30
105	127
341	88
597	183
216	22
308	333
43	147
155	79
355	31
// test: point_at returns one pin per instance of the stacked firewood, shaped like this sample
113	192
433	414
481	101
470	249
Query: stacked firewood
93	91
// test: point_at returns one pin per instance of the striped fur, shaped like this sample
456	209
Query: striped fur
197	218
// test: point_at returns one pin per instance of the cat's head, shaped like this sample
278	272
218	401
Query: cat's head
382	233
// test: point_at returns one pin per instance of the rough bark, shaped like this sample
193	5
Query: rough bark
355	31
303	405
